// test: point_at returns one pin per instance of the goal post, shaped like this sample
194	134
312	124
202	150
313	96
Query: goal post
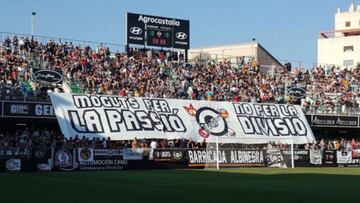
252	152
217	153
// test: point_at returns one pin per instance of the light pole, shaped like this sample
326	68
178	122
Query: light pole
33	14
252	48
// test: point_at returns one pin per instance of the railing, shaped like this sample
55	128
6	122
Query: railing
19	152
346	111
82	43
22	97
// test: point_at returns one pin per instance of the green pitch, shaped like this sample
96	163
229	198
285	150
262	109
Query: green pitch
232	185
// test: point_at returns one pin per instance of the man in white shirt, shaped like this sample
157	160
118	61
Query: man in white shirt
153	145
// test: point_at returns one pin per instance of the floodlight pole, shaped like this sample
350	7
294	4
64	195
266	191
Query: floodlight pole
33	14
252	48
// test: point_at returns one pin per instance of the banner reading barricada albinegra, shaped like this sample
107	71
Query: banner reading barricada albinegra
124	118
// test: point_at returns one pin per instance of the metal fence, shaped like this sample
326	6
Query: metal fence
114	47
340	111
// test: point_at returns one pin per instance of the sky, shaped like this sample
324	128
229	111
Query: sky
286	28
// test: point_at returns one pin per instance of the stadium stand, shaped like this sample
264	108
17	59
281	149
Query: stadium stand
160	74
146	73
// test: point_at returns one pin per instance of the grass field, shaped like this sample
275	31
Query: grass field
231	185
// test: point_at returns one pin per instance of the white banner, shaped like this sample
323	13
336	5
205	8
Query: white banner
133	154
315	157
122	118
344	157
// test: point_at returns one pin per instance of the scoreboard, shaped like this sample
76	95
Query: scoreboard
158	37
157	31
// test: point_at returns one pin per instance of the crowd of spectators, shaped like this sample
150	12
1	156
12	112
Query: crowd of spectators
337	144
148	73
23	140
18	56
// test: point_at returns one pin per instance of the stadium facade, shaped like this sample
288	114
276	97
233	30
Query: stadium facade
232	52
340	47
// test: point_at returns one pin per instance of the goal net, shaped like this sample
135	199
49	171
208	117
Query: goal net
229	153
